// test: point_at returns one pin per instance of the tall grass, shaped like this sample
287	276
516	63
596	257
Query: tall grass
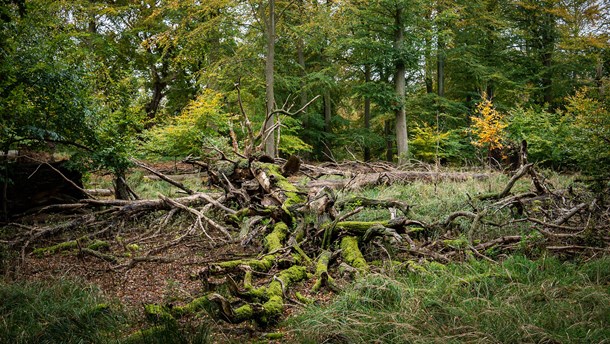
56	312
517	301
65	311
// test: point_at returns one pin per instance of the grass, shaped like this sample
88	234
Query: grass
517	301
431	203
59	312
145	187
66	311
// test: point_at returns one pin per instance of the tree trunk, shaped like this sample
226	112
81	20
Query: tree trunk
367	113
387	130
121	189
158	88
270	148
440	68
327	124
402	143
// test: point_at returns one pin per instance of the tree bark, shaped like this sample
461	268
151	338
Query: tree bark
389	150
367	112
402	143
270	148
327	120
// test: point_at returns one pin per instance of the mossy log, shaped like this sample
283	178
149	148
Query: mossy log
323	278
367	202
273	243
360	228
271	309
351	254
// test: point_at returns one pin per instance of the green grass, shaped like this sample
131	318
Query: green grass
59	312
431	203
65	311
517	301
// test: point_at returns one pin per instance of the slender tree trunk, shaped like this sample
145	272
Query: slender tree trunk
440	68
327	122
367	112
389	150
270	148
402	143
301	57
547	78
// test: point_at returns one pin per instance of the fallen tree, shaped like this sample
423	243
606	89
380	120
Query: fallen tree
303	234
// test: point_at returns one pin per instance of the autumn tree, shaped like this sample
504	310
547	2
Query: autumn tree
488	127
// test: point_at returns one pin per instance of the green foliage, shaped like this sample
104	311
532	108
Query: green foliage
518	300
290	142
576	137
201	125
56	312
427	143
44	90
545	132
590	137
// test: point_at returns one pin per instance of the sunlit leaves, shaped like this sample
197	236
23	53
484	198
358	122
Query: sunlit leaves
488	126
202	120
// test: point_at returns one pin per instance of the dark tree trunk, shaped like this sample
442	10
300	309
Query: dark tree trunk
387	128
367	113
121	189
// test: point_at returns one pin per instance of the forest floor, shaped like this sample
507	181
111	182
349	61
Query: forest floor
173	275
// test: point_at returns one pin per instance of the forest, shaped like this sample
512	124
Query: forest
313	171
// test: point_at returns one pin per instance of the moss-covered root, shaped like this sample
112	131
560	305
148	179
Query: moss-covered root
270	310
289	195
350	252
274	242
322	276
274	307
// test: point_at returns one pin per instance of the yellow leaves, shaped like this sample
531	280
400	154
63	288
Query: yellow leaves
488	126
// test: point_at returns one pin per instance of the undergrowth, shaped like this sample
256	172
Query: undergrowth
67	311
56	312
516	301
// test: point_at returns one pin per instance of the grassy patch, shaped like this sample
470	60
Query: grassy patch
516	301
65	311
59	312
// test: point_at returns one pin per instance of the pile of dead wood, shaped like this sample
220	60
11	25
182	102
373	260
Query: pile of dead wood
304	232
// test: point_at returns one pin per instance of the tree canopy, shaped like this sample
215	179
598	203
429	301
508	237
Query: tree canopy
121	78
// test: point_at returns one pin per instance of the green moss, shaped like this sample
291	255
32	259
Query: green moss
275	239
416	267
359	227
322	268
351	253
142	336
45	251
192	307
275	305
133	247
261	265
242	313
70	245
274	335
459	243
290	190
303	299
157	313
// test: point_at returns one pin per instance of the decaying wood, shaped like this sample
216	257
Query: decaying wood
307	233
